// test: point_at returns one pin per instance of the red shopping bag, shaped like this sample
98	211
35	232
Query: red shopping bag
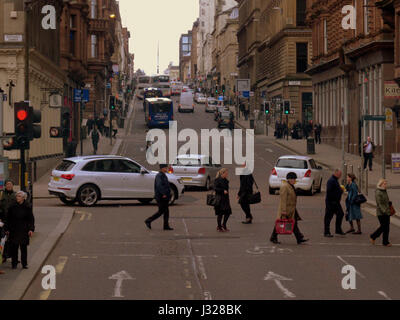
284	226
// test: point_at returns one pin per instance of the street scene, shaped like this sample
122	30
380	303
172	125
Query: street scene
261	164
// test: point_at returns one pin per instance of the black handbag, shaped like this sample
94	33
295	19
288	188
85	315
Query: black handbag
211	199
255	197
360	199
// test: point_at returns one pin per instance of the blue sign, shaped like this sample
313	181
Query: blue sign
77	95
221	98
108	85
246	94
85	95
81	95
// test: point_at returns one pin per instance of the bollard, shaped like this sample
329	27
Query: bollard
366	182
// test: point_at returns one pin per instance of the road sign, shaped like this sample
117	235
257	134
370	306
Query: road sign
85	95
389	119
77	95
251	93
221	98
243	84
246	94
374	118
396	162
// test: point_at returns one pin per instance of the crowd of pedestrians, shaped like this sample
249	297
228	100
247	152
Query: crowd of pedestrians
287	209
17	224
298	130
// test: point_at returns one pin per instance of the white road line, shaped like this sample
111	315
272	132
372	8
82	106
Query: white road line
202	269
383	294
345	262
360	256
271	276
192	257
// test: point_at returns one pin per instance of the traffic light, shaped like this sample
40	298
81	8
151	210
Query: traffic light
112	103
35	129
22	124
267	106
286	106
223	88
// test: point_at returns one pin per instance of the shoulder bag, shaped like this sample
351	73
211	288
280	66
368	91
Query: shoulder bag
360	199
255	197
211	199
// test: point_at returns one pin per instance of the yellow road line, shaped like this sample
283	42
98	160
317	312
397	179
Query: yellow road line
61	264
45	295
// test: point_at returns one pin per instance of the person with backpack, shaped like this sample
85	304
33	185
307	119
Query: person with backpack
95	136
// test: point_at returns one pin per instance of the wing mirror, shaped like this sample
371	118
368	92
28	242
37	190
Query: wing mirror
143	171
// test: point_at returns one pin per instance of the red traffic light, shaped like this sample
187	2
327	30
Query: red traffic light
22	115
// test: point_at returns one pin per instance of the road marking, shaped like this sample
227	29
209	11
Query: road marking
207	295
45	295
346	263
269	150
383	294
359	256
277	279
188	284
84	215
352	244
202	269
257	250
120	277
61	264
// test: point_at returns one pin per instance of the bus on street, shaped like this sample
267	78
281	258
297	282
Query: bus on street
158	112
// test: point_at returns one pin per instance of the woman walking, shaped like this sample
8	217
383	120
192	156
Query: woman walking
20	225
245	191
223	208
383	213
353	209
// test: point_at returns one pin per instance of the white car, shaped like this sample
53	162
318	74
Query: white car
309	175
201	98
90	179
211	104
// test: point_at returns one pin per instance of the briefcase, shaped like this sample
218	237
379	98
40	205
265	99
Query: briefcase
284	226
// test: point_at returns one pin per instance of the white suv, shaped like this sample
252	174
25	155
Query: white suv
93	178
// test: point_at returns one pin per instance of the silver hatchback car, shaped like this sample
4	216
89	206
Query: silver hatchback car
195	170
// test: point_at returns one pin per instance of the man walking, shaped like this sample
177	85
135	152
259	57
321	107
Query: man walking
368	150
162	192
332	201
317	132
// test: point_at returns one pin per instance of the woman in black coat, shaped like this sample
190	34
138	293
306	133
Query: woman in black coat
223	207
245	191
20	225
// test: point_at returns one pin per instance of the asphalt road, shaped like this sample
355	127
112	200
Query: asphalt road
108	253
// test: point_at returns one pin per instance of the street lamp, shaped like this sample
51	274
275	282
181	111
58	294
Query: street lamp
112	16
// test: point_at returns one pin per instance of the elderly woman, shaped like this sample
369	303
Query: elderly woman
20	225
383	213
353	209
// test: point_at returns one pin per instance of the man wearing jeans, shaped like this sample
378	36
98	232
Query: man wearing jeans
368	150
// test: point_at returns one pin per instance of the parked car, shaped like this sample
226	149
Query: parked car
186	102
309	175
224	119
93	178
211	104
195	170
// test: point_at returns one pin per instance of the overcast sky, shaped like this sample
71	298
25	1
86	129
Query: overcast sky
150	21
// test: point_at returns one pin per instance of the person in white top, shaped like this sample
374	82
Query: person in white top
368	151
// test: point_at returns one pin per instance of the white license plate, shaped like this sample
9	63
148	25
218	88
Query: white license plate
56	179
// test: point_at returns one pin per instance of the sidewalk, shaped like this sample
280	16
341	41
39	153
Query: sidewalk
50	223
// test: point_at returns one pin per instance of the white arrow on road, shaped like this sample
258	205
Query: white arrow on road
120	277
277	278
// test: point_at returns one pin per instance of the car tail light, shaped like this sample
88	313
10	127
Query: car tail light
308	174
149	118
202	170
170	170
274	173
68	176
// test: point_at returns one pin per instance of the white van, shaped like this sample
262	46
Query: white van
186	102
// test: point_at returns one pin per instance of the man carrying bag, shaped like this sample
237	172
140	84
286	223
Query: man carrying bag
246	196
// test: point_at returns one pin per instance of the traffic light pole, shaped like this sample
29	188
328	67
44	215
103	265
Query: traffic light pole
23	170
287	126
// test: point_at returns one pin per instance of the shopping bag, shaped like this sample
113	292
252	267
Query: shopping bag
2	244
284	226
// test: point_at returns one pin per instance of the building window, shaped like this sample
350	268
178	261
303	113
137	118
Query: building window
325	36
366	29
94	46
301	12
93	9
72	40
301	57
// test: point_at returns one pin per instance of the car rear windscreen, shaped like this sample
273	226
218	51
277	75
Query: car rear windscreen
292	164
161	107
66	165
189	162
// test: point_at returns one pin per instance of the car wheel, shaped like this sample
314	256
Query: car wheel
208	184
67	201
145	201
174	194
271	191
88	195
311	191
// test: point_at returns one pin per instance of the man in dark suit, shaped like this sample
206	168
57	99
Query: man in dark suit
332	201
162	192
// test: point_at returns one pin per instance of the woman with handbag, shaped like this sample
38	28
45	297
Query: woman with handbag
383	212
222	207
353	208
244	194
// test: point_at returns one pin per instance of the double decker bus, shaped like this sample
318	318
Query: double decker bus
142	83
162	82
